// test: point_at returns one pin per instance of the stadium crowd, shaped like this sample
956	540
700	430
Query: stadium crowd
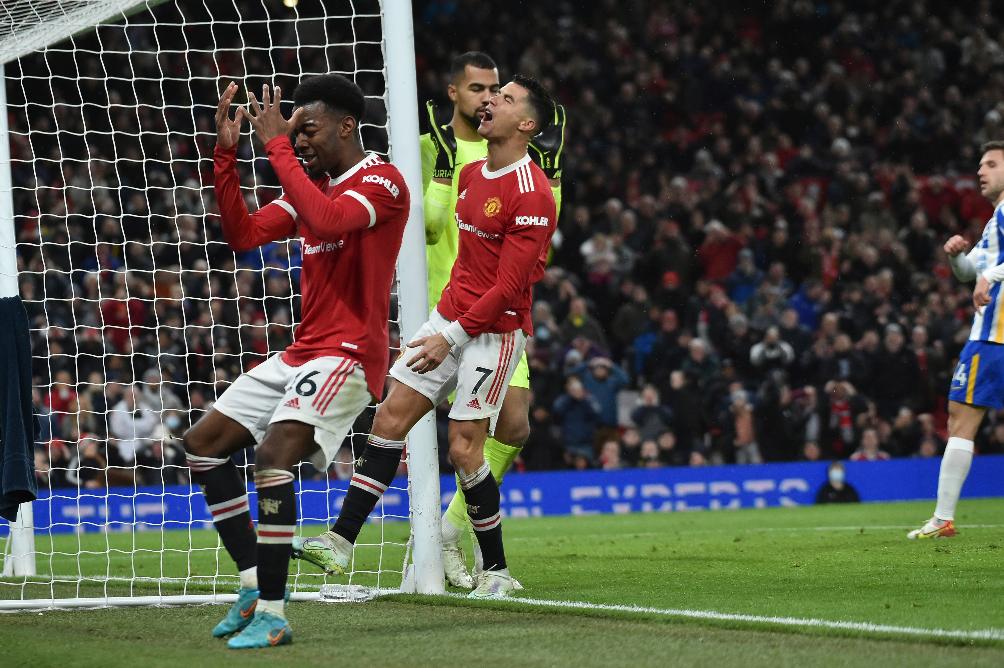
748	266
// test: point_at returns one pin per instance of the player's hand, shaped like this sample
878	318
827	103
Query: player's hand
956	245
266	118
446	145
981	293
228	132
432	351
545	149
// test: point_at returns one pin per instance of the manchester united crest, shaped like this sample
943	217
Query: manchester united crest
492	206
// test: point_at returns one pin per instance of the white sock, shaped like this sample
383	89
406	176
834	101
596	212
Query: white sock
249	578
451	534
277	608
954	469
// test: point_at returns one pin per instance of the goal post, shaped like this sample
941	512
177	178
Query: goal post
106	207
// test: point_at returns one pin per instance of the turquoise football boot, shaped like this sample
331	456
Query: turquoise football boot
265	630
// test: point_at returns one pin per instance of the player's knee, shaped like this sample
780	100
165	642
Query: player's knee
465	452
196	443
513	432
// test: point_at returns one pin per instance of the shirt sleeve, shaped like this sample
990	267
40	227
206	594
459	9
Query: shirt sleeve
527	235
242	230
363	206
964	266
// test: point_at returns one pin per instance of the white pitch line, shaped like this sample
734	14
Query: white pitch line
806	622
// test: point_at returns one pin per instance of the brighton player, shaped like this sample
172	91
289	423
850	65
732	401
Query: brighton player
978	382
446	149
349	211
473	340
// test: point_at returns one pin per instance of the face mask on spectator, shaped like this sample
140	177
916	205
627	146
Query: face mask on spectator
836	476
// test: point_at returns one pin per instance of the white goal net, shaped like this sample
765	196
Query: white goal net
140	313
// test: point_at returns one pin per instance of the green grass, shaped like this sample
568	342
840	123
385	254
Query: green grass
781	562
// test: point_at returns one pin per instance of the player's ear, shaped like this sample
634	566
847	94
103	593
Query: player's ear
528	125
451	92
347	126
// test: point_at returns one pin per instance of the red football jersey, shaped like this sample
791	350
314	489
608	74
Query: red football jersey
350	229
506	220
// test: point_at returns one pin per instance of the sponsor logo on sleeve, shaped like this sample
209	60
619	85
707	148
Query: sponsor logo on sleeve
383	181
538	221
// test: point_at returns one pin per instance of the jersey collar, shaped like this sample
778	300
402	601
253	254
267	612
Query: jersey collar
367	161
488	174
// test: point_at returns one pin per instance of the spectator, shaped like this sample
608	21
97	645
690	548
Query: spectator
772	353
869	449
579	417
836	489
650	417
580	323
610	456
603	381
132	428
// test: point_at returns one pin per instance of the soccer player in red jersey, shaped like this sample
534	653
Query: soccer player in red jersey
473	340
349	211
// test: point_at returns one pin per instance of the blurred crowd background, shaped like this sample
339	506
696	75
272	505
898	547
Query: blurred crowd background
748	266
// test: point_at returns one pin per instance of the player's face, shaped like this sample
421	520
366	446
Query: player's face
471	91
321	138
991	174
508	112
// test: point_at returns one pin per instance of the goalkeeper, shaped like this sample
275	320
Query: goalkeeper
445	150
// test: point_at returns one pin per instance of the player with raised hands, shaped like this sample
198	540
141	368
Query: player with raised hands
473	340
349	211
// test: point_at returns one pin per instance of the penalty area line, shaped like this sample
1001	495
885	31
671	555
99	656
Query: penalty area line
764	620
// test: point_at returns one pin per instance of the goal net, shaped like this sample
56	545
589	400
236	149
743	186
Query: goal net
140	314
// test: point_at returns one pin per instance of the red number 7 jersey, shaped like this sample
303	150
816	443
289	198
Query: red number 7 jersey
506	219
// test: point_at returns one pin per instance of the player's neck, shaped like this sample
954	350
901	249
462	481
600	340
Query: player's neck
504	152
462	129
350	160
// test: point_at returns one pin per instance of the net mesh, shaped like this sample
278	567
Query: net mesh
141	315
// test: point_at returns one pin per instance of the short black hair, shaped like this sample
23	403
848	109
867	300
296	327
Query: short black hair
995	145
540	101
338	92
478	59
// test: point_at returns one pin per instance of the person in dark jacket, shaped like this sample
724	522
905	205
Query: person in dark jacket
836	489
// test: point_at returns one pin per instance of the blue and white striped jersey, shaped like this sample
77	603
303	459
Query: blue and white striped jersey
988	324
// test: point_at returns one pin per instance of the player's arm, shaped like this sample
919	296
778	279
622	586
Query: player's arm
242	230
520	254
328	219
962	263
438	191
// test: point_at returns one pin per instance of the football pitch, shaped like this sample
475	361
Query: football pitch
832	585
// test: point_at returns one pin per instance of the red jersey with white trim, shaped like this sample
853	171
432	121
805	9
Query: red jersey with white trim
506	220
350	229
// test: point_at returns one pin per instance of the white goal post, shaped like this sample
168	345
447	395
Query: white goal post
140	315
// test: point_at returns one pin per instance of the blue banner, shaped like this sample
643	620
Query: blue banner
539	494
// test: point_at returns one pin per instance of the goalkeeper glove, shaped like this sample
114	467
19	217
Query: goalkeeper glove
446	145
545	149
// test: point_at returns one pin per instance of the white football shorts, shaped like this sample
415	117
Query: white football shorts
328	393
479	371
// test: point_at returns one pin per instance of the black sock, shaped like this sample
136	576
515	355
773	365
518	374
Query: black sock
374	471
482	494
227	499
276	525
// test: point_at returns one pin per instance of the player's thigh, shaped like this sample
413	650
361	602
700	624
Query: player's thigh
217	435
400	410
485	368
253	398
321	402
286	443
435	385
